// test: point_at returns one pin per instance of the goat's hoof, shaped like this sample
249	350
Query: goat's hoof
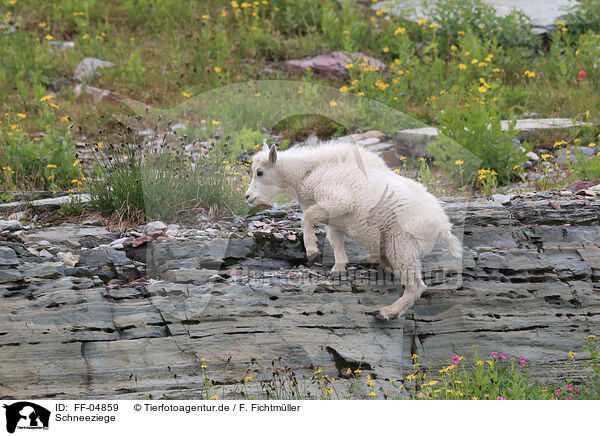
338	275
312	257
382	317
338	270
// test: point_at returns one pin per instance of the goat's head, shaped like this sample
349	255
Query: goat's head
266	183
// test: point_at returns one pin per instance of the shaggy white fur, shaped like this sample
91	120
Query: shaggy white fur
354	193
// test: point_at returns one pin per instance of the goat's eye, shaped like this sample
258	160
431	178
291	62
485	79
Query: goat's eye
259	173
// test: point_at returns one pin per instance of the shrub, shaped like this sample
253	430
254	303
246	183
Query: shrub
473	135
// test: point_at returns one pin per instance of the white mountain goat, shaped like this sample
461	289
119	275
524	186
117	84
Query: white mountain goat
354	193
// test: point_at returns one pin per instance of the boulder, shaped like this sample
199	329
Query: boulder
334	64
88	67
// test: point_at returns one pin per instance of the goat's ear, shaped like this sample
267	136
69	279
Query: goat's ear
273	154
265	145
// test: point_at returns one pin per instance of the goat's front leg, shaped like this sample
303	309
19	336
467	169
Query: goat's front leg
336	239
312	215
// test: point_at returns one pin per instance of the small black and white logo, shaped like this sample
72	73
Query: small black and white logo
26	415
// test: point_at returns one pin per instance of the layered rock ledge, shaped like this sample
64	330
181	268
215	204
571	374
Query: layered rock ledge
89	312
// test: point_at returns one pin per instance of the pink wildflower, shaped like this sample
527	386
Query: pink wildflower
500	398
455	360
557	392
581	75
569	388
576	391
522	361
503	356
569	398
494	355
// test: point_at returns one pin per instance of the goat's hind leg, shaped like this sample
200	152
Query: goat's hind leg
410	275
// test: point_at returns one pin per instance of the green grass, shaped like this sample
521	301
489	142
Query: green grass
460	65
136	176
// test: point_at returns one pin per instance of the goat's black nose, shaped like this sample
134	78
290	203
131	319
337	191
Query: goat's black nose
247	196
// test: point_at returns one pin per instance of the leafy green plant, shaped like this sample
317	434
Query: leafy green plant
73	207
45	162
586	168
488	180
583	16
474	132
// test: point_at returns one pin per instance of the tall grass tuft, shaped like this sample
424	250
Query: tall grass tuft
158	177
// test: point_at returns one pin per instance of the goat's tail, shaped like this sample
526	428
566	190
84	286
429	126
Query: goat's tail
453	243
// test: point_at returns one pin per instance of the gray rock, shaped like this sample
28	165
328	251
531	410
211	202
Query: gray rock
58	46
185	275
88	67
10	275
414	142
68	258
43	204
533	156
10	225
92	223
154	226
85	236
97	94
46	270
501	198
8	256
573	153
334	64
